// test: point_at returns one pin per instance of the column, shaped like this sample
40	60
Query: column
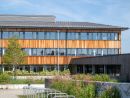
104	69
3	69
93	69
84	69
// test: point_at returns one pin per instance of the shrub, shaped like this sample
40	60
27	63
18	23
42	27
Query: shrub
111	93
4	78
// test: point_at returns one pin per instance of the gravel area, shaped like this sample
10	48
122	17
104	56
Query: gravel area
9	93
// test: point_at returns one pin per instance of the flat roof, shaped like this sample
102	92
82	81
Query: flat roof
47	21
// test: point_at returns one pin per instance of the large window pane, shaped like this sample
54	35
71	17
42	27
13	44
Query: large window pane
90	36
5	35
94	36
34	35
104	51
104	36
116	36
28	51
62	36
34	52
40	52
71	52
62	51
53	35
71	36
112	36
0	35
108	36
22	35
0	51
28	35
41	35
99	36
83	36
47	35
77	36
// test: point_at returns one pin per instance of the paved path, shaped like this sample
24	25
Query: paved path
10	93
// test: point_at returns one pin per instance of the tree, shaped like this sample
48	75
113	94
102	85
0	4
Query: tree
13	56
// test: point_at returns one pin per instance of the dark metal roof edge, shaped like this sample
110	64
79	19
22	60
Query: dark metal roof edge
94	27
100	56
28	15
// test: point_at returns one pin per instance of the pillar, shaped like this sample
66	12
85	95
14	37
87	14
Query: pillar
104	69
84	69
93	69
3	69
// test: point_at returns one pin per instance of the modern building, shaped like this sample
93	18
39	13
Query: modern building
52	44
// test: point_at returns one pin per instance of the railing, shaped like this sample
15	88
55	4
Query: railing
33	92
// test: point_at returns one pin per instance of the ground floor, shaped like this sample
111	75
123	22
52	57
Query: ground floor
114	70
35	68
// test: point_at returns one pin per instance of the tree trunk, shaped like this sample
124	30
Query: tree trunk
14	72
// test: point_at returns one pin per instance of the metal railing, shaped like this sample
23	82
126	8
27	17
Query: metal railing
33	92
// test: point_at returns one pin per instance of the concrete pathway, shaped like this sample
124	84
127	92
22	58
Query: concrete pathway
10	93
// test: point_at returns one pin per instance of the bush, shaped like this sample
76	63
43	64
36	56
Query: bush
4	78
79	90
111	93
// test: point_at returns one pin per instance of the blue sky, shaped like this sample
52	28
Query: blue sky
114	12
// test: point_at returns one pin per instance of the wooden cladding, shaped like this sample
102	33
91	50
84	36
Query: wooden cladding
41	60
65	44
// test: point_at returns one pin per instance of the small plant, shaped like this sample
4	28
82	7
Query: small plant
111	92
4	78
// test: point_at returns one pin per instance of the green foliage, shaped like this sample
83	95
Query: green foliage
13	54
4	78
111	93
79	90
97	77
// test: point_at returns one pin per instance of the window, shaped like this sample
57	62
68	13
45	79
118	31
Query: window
90	36
5	35
116	51
71	36
95	52
40	52
90	52
108	36
83	36
77	36
28	35
94	36
52	52
28	51
99	36
41	35
71	52
34	52
112	36
15	34
62	51
100	52
34	35
0	51
53	35
84	52
47	52
104	36
62	35
116	36
0	35
21	35
104	51
47	35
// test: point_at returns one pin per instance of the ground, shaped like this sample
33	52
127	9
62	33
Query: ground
10	93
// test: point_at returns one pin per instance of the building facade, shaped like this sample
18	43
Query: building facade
51	44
